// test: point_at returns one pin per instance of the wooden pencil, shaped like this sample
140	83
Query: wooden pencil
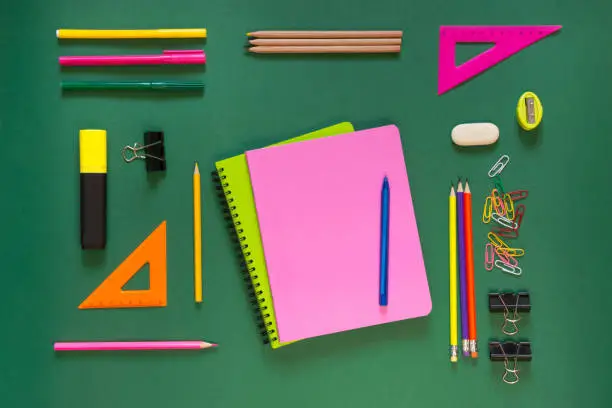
469	270
465	342
326	34
452	240
326	49
325	41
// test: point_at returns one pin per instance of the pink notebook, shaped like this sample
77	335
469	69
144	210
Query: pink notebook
318	204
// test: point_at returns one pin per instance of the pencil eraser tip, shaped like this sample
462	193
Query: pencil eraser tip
453	359
474	355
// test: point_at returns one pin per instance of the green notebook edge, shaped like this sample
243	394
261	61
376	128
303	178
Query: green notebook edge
234	179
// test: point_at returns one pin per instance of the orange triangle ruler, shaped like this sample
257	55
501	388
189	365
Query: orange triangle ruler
110	293
508	41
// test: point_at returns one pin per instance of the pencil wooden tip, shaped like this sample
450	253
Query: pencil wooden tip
196	169
459	188
207	345
249	34
452	192
467	187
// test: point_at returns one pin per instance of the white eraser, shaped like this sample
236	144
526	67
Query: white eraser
475	134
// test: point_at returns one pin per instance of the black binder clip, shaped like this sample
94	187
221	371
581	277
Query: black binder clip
510	303
153	152
510	352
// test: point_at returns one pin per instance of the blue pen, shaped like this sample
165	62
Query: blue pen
383	297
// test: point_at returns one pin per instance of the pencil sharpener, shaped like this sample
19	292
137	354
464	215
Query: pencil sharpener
529	111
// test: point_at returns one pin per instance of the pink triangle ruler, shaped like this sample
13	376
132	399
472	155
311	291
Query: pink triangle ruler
508	41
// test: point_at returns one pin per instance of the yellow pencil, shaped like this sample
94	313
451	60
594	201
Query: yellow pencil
130	34
197	235
452	240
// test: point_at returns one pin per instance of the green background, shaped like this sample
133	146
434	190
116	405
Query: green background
251	101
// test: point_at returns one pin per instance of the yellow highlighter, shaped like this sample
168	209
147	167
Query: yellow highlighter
63	33
92	152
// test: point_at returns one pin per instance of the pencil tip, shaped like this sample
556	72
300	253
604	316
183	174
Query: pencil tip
248	34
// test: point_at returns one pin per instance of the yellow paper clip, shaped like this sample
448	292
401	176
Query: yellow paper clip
515	252
488	209
498	203
497	241
509	206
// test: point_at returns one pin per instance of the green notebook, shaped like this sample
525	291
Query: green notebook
235	181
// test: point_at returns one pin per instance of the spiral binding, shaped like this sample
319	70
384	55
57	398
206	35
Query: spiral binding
251	279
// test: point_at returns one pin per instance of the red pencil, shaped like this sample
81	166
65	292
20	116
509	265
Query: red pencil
469	260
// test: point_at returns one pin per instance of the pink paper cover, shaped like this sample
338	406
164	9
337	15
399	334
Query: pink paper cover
318	204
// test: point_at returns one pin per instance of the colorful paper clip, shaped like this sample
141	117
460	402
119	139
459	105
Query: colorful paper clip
512	270
498	203
499	165
488	209
518	195
503	221
499	185
509	206
505	258
505	232
489	262
516	252
518	214
496	240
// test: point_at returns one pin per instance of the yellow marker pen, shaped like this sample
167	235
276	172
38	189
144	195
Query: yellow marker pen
92	153
130	34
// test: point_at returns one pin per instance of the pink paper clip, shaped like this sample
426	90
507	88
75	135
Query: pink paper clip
489	262
518	195
505	258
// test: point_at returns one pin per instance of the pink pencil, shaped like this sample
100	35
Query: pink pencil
132	345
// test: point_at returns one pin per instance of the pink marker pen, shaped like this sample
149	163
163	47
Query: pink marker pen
167	57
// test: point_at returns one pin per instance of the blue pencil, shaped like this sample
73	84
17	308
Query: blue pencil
383	294
465	344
